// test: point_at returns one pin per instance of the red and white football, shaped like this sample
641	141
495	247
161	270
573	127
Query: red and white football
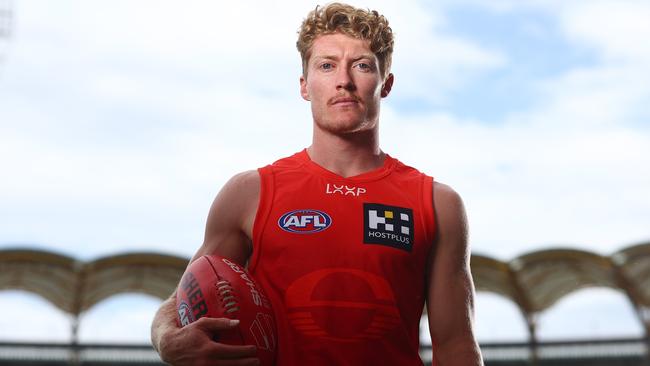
213	286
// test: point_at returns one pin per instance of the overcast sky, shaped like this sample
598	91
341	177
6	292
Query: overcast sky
120	120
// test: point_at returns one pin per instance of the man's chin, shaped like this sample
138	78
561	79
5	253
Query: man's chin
348	127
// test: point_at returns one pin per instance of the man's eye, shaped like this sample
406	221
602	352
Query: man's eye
326	66
364	66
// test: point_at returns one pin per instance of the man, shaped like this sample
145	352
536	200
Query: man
347	242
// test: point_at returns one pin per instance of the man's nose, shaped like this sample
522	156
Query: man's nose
344	80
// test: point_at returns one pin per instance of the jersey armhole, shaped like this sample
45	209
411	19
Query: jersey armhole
428	209
262	215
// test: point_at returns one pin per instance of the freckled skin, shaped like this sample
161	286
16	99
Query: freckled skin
344	84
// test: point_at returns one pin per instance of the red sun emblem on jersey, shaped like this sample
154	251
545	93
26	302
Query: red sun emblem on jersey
363	308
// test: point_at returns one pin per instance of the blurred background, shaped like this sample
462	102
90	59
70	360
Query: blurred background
121	120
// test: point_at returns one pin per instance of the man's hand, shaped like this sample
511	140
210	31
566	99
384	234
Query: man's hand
194	344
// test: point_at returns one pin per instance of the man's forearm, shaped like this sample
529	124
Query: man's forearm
164	319
466	353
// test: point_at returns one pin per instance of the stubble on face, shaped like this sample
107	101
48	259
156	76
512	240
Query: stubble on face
343	84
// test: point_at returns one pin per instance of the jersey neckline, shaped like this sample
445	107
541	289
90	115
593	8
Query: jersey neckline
375	174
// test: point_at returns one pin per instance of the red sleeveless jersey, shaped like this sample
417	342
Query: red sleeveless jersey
343	261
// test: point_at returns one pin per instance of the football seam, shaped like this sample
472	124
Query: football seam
228	290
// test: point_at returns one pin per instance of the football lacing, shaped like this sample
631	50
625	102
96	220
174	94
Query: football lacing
227	295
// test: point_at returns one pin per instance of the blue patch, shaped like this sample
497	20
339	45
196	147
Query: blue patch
304	221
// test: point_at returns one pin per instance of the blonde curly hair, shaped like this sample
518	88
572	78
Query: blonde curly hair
358	23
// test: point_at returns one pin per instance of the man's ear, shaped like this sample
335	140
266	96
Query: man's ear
387	86
303	88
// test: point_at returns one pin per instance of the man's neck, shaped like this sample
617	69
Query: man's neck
347	155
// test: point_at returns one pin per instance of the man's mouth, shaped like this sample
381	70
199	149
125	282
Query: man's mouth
346	100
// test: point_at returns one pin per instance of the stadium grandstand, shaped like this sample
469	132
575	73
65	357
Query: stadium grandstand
533	282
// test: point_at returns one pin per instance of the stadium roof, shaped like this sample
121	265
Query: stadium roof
74	286
533	281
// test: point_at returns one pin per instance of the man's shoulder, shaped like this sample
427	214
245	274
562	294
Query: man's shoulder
295	161
245	177
441	189
244	184
444	190
407	171
446	198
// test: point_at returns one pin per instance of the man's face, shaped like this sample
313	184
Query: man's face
343	84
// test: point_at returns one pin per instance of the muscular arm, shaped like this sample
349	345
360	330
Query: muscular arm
450	292
228	233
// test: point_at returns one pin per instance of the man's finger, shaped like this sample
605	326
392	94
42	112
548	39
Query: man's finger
214	325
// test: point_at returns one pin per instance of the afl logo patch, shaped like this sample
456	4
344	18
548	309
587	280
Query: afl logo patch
305	221
185	314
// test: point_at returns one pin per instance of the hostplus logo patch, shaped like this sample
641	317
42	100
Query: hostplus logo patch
388	225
